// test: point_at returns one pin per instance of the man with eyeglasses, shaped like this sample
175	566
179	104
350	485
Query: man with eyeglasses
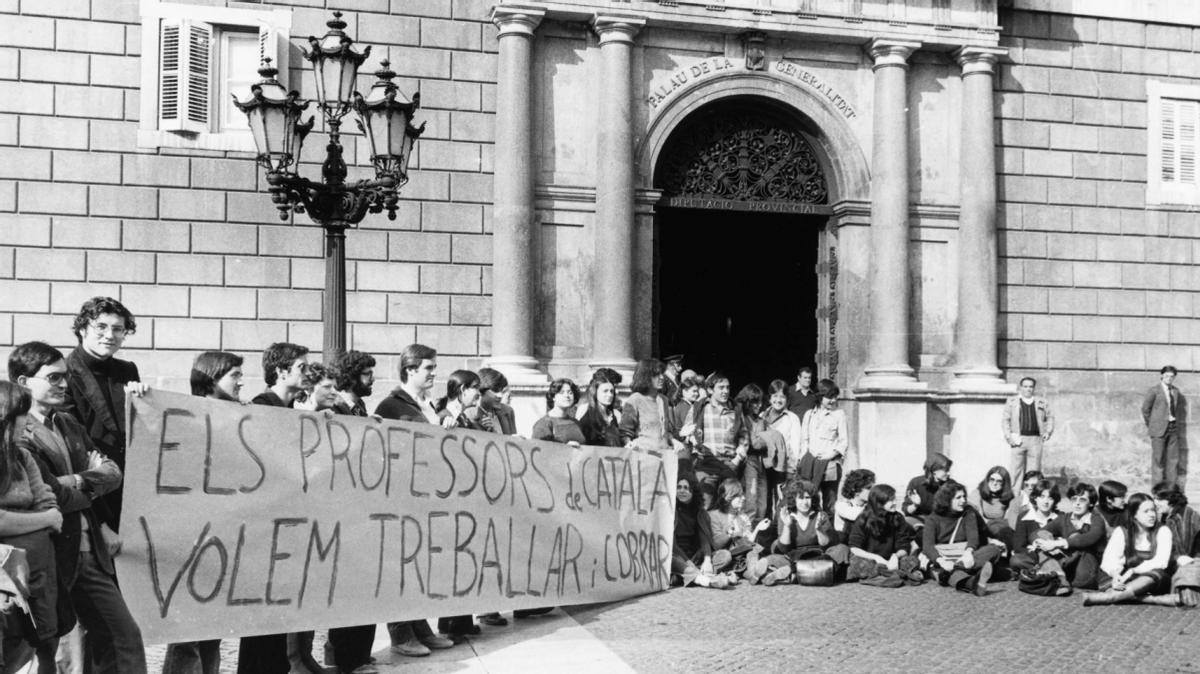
78	474
97	382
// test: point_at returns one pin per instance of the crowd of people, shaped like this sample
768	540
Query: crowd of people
762	494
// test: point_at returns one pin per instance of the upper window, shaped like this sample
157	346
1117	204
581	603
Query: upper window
1173	123
194	59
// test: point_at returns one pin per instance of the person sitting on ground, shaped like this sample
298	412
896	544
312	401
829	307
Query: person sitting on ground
825	438
1029	534
953	544
1184	523
882	543
996	503
1112	496
918	496
1136	558
645	424
558	425
691	554
805	532
732	531
600	417
1080	537
783	420
1028	481
855	489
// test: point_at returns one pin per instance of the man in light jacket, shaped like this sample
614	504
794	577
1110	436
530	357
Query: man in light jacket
1027	424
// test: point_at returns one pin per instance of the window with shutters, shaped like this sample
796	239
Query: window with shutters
193	58
1173	123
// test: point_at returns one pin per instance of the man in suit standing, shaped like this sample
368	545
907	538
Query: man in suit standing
1027	424
1164	410
78	474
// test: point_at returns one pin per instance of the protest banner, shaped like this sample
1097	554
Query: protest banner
242	520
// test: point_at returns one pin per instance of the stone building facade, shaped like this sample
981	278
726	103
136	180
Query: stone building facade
926	199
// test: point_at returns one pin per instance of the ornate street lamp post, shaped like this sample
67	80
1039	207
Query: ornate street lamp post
385	118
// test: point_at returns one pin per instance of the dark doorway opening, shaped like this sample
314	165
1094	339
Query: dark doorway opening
737	292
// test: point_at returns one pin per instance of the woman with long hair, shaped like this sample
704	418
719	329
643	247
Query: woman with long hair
732	532
691	553
599	417
856	489
957	552
1137	556
768	450
462	393
645	423
883	540
558	425
997	504
28	514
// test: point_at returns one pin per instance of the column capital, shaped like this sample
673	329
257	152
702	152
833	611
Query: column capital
615	28
978	59
516	20
891	52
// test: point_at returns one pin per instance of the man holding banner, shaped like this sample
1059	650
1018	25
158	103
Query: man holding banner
410	402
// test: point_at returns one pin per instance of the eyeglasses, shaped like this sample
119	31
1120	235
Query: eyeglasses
115	330
54	378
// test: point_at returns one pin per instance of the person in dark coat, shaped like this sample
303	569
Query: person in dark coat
96	384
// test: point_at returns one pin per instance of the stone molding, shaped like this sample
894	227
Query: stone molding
517	20
978	59
885	53
617	29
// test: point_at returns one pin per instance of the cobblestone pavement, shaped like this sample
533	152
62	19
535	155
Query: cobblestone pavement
848	628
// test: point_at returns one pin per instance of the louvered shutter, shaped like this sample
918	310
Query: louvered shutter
1178	141
185	57
272	44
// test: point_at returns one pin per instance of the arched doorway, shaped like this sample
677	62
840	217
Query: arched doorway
738	232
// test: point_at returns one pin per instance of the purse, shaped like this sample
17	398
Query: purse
814	572
952	551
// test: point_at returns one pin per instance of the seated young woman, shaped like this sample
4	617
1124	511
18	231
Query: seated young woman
805	531
1112	504
918	496
1136	557
881	536
1184	523
1078	538
732	533
1030	532
996	503
691	554
952	542
855	488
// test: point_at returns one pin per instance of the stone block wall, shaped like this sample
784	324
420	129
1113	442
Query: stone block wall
189	239
1098	290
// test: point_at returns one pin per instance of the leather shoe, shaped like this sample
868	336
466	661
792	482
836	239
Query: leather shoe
436	642
412	649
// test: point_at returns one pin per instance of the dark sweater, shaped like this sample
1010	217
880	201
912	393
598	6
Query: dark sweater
558	429
401	407
939	528
925	492
1090	537
899	536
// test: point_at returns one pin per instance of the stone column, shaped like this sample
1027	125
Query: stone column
976	329
513	225
887	348
612	334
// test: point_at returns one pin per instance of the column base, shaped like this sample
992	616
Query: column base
890	380
893	438
521	371
623	366
976	441
982	380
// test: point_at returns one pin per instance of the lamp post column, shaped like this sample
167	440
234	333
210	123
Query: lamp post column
612	333
513	225
334	313
887	350
976	329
